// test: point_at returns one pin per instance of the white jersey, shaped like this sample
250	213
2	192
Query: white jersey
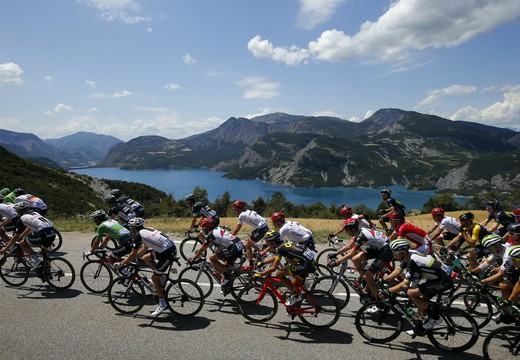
34	201
36	222
153	239
294	232
363	223
450	224
252	218
371	238
7	212
223	238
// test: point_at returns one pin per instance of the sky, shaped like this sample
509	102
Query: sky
172	68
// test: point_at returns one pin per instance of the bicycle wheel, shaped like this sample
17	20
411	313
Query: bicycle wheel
255	308
200	277
337	288
96	276
239	281
111	244
125	295
58	241
184	297
378	322
458	333
320	309
13	270
189	247
60	273
502	343
322	259
477	305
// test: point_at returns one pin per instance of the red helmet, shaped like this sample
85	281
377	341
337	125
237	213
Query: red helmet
207	223
438	211
239	204
396	215
345	210
278	216
516	211
351	224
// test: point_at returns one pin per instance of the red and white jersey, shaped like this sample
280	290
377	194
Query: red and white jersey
292	231
7	211
363	223
370	238
36	222
252	218
417	237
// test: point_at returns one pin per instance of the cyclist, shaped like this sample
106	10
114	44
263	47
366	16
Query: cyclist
11	197
32	229
419	240
135	206
472	233
200	209
367	244
110	228
292	231
8	219
229	249
253	219
514	254
447	227
418	268
300	263
34	201
163	251
120	211
347	213
501	219
492	245
392	206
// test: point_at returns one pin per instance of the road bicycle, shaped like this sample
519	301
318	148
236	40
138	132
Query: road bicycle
127	294
111	244
383	321
189	245
96	274
503	343
205	275
259	303
334	245
56	271
56	244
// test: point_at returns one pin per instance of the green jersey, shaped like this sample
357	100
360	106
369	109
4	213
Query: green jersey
113	228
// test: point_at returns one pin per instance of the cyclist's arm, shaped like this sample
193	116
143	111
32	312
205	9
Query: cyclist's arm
403	285
199	252
454	241
397	271
133	254
515	293
237	229
494	278
14	239
275	261
350	255
345	248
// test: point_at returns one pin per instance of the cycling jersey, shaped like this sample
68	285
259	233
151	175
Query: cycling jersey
396	205
34	201
135	206
200	209
252	218
294	253
501	218
122	211
154	239
421	266
294	232
417	237
477	233
117	231
7	211
33	221
450	224
369	238
230	246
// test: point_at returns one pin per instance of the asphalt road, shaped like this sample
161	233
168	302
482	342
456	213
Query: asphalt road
40	323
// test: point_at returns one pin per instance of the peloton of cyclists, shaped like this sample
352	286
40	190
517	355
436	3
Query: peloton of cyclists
347	213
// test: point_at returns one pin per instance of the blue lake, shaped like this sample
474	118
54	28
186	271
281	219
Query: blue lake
181	182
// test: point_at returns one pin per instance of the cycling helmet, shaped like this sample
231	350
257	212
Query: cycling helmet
491	240
400	244
492	203
516	211
467	216
207	223
438	211
396	215
98	215
110	199
351	224
239	204
1	198
386	191
345	210
278	216
189	197
21	206
135	222
514	252
514	228
273	236
18	191
116	192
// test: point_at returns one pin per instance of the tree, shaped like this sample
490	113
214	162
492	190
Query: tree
259	205
445	201
222	205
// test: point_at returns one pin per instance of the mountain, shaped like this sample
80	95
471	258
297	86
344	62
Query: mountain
392	146
80	149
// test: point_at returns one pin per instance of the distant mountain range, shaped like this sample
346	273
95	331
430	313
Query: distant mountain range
80	149
391	147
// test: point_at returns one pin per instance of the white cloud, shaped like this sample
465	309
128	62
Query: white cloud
453	90
48	78
119	10
121	94
315	12
405	27
189	60
172	86
259	88
92	110
152	109
10	73
60	108
90	83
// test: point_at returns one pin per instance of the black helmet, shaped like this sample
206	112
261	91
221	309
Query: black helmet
514	228
493	203
19	191
189	197
110	199
21	206
116	192
273	236
386	191
98	215
467	216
